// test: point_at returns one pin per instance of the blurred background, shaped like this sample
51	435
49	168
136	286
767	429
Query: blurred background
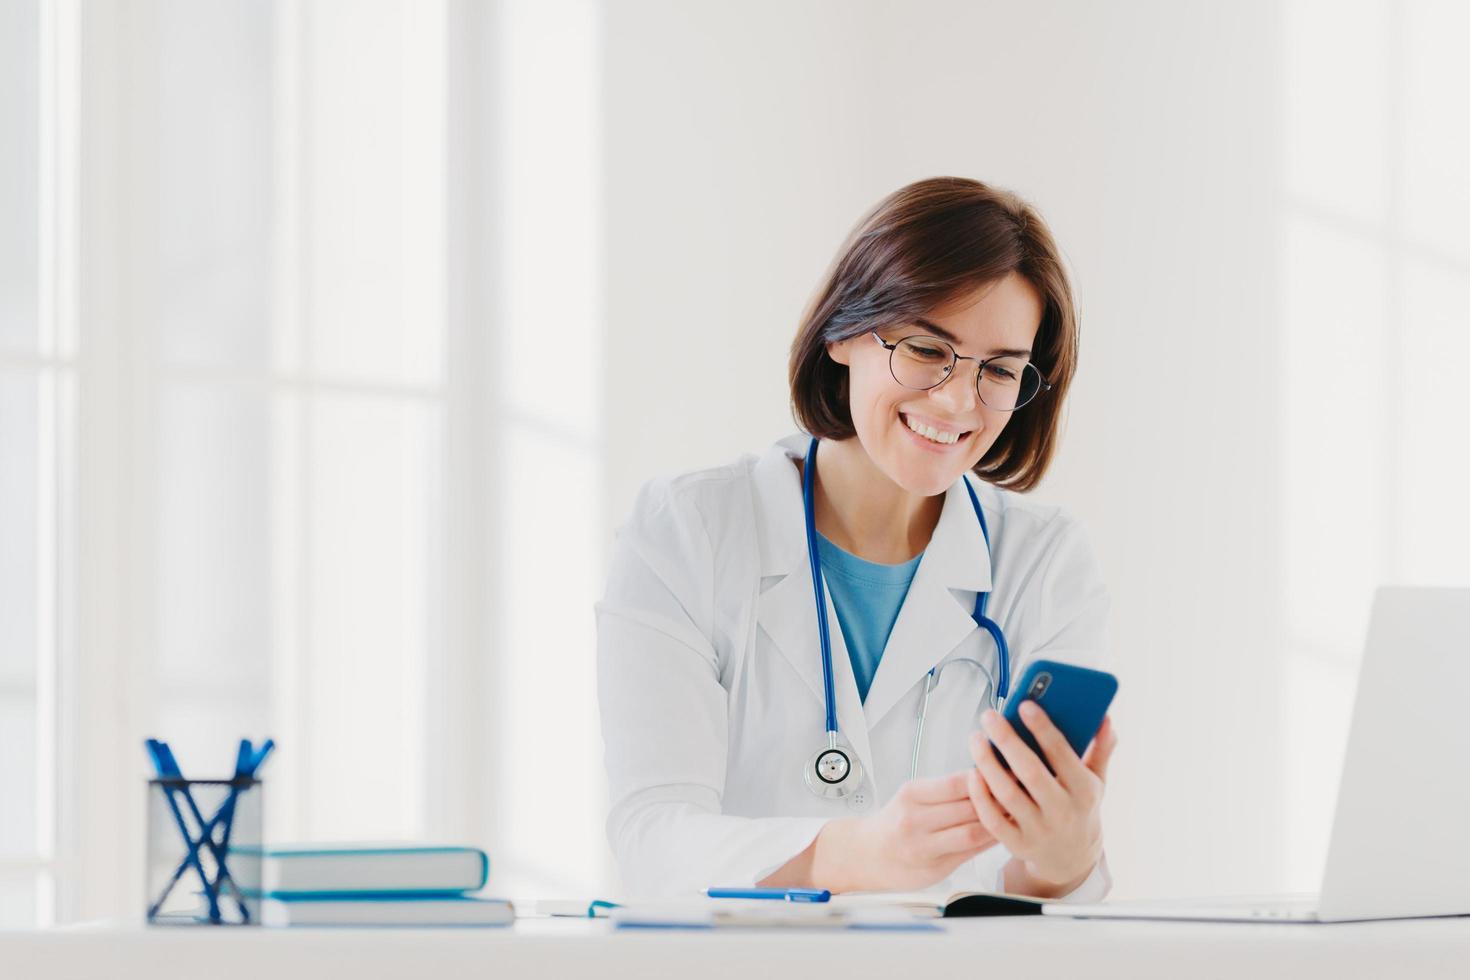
337	336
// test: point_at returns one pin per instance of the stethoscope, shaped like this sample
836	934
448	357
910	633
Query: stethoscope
834	772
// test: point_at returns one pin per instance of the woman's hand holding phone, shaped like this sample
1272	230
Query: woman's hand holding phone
1051	824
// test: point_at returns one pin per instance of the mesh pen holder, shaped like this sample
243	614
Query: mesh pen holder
204	851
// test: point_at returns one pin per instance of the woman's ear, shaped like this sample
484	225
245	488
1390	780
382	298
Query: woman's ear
840	350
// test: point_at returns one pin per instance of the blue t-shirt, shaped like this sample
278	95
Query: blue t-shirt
867	596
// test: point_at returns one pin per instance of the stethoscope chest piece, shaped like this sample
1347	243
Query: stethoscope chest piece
833	772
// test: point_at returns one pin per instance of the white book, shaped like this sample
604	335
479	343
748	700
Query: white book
293	870
722	913
463	910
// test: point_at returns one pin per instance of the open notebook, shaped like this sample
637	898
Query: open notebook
865	910
960	905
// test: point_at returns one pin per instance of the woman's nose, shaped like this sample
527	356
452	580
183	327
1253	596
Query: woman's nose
957	392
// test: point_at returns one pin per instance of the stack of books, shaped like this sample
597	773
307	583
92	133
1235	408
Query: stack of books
376	885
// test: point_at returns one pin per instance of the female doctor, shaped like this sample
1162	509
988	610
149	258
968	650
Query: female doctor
750	740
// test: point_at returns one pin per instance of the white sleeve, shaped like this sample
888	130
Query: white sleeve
664	714
1071	625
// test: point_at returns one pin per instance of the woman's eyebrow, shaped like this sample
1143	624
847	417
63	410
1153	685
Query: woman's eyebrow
944	334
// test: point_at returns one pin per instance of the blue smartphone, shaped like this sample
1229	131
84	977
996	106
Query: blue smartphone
1074	698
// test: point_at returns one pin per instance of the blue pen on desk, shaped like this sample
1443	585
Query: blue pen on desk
776	894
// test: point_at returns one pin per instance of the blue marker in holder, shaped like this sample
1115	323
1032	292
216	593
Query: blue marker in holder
183	840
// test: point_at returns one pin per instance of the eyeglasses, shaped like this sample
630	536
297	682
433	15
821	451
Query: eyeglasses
1004	383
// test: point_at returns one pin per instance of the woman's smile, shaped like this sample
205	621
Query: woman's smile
932	434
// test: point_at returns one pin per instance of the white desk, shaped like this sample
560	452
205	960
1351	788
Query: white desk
570	948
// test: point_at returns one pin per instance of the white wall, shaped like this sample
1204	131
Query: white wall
277	424
1171	147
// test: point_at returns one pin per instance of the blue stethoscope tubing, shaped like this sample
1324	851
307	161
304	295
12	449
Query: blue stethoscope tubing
808	497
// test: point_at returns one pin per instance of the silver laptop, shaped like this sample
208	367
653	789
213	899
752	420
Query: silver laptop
1410	738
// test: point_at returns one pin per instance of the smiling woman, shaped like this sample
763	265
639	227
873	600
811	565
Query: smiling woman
950	258
942	343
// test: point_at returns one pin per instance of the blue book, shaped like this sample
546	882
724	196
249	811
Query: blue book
373	870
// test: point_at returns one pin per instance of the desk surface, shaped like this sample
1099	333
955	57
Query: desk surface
551	949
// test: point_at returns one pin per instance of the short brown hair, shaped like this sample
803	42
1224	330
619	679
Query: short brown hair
917	249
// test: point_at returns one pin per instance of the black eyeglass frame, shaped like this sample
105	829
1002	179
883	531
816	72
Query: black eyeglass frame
954	358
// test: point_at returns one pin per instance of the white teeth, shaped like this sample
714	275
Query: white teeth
931	433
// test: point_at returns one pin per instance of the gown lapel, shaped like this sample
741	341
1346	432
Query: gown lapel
935	616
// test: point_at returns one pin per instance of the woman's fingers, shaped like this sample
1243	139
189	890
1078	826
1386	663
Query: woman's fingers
1025	764
1002	784
1054	745
970	836
992	817
943	815
1101	750
935	789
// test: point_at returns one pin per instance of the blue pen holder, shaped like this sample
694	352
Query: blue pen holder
203	854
